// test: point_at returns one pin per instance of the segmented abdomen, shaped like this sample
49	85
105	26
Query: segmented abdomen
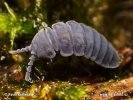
81	40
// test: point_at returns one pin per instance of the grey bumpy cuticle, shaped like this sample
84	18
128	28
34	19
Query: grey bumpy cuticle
71	38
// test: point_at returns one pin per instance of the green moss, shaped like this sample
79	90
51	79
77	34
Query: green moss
69	91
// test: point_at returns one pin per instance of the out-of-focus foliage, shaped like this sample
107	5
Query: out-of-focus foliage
13	24
16	24
7	24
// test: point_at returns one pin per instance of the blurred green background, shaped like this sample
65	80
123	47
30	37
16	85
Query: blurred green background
61	79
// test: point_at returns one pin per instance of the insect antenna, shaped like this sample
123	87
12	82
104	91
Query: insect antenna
26	49
29	68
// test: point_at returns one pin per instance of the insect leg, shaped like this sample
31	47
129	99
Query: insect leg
29	68
26	49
